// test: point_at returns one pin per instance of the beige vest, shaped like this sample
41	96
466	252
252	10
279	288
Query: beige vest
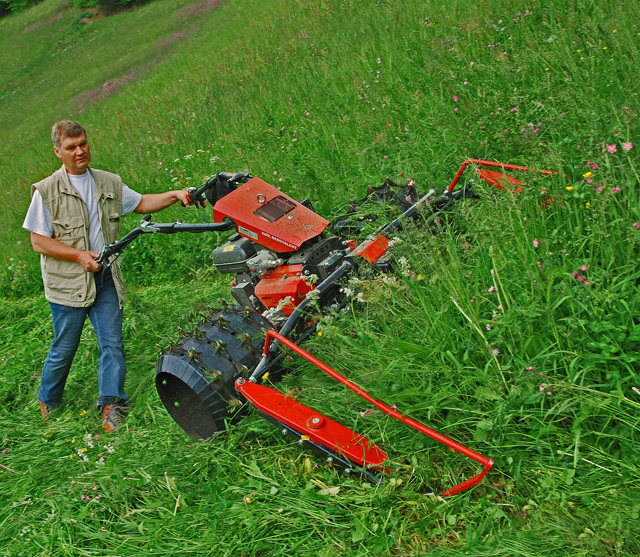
66	282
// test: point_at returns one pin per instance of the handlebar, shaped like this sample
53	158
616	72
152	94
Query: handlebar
147	227
208	190
215	188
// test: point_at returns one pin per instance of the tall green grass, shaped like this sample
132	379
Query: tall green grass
490	331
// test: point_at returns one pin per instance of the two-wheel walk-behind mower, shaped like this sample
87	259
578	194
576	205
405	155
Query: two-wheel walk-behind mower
285	257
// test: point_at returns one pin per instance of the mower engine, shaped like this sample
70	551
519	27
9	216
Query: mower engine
280	252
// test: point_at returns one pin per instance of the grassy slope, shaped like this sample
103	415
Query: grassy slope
244	81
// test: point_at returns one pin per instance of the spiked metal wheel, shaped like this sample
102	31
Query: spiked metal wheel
195	376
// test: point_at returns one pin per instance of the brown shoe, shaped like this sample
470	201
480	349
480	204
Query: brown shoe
113	416
45	410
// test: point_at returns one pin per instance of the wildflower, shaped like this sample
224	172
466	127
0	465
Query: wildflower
583	268
586	175
636	225
319	333
617	190
495	351
83	412
627	145
611	148
535	243
569	188
530	368
488	326
492	289
455	100
586	283
580	278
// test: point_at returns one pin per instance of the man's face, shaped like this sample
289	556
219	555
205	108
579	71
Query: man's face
75	153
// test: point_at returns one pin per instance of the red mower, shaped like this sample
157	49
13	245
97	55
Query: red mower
285	257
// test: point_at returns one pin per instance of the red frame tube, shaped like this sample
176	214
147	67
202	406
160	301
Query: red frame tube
486	462
495	164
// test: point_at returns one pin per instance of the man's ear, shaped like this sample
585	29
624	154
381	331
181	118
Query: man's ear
57	152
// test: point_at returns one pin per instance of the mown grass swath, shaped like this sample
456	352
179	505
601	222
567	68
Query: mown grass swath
510	325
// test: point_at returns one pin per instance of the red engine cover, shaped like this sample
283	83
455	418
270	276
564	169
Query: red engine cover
270	218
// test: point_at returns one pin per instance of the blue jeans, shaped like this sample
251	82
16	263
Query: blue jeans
106	317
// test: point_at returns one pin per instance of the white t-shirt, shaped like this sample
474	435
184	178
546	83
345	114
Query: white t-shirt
39	220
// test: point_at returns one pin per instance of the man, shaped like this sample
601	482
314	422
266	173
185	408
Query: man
73	214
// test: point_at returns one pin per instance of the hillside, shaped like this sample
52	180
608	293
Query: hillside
512	326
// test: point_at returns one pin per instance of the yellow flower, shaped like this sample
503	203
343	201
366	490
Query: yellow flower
83	412
587	174
319	333
569	188
587	205
604	48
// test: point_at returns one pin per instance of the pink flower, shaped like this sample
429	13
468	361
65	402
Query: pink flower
455	98
583	268
580	278
627	145
611	148
492	289
575	273
536	243
495	351
488	326
586	283
530	368
617	190
594	167
636	225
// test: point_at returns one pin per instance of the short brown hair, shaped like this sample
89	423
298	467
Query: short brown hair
65	128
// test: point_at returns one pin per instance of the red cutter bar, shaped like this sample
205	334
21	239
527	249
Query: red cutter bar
372	454
319	429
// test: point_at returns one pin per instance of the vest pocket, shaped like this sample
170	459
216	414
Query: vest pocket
65	280
70	231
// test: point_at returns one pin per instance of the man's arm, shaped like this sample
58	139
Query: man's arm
154	202
58	250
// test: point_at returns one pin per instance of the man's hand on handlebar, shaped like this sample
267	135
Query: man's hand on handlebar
189	197
88	261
